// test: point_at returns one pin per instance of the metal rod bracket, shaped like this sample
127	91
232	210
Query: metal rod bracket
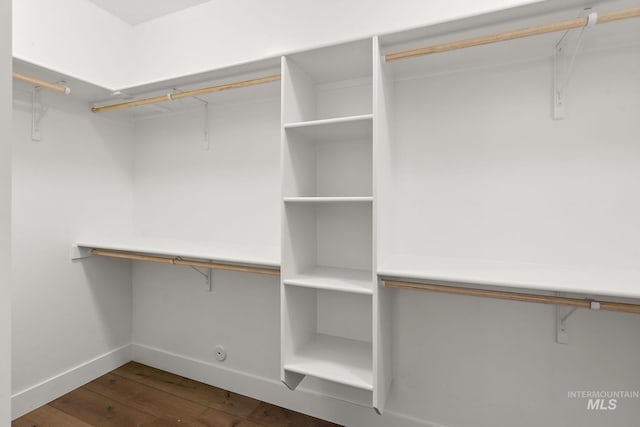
563	314
80	252
205	125
38	112
206	144
207	276
563	63
559	91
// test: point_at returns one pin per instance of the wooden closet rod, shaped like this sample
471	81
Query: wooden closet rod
515	296
179	95
41	83
179	261
511	35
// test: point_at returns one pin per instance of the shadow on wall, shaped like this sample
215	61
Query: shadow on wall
109	286
491	363
174	312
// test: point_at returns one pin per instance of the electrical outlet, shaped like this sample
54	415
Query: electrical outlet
221	353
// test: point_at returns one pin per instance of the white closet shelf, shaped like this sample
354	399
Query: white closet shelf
335	279
336	359
517	50
342	128
587	280
234	254
346	199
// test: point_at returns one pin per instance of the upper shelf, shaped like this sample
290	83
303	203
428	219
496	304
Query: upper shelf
79	89
342	128
252	87
613	282
601	36
234	254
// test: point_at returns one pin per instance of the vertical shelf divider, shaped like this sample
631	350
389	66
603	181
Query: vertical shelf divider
382	318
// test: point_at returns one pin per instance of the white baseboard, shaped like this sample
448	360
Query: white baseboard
40	394
271	390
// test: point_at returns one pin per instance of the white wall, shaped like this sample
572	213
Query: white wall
512	176
480	170
5	212
466	361
75	38
78	179
228	195
224	32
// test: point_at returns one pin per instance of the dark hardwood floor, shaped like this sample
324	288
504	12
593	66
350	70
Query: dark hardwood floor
138	395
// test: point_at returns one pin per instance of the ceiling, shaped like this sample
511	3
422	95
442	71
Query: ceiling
138	11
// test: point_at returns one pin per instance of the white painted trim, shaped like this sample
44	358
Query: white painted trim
40	394
271	390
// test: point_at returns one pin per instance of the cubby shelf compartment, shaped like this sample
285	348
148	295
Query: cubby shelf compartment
336	279
341	360
327	83
342	128
346	199
324	167
327	235
327	335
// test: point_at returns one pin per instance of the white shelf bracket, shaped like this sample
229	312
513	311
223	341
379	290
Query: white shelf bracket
562	315
563	63
206	142
80	252
205	130
38	112
207	276
559	92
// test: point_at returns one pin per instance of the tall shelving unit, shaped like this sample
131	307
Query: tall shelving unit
442	171
328	272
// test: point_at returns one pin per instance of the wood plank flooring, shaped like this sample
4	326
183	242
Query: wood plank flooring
136	395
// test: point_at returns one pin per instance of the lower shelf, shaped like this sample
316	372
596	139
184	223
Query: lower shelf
341	360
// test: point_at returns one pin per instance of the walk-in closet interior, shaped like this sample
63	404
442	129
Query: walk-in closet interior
401	214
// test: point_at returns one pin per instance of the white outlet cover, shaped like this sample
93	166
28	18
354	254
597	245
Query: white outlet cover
221	353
